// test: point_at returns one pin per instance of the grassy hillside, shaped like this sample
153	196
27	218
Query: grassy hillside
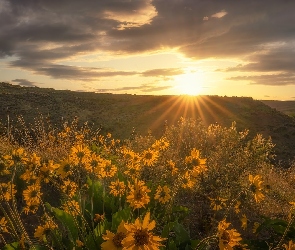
121	114
287	107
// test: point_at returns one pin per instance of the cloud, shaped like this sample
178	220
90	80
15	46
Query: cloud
145	88
270	79
41	34
24	82
162	72
219	14
278	59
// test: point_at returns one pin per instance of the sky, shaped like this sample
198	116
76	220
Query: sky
151	47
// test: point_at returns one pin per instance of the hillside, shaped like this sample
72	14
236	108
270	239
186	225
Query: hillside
287	107
120	114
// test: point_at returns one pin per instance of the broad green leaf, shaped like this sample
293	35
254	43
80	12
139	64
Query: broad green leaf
122	215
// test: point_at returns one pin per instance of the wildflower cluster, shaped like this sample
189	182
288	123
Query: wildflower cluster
94	192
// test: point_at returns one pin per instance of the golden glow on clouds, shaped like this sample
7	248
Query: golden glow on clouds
220	14
136	18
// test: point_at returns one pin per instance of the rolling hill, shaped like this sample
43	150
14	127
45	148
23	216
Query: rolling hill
121	114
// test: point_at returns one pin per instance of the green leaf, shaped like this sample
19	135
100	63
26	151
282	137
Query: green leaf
172	245
11	246
182	235
166	230
119	216
68	222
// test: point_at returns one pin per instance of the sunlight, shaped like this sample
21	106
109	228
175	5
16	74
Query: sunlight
189	83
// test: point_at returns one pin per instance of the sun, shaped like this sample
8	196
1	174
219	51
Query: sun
189	84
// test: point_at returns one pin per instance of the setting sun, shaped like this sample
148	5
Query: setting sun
189	83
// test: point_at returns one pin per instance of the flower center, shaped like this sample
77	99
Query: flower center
117	240
253	188
34	193
149	156
67	168
196	162
141	237
138	195
225	237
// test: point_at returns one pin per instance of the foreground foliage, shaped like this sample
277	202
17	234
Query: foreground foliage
195	187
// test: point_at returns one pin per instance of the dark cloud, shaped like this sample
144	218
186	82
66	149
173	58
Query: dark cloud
40	33
278	63
279	59
24	82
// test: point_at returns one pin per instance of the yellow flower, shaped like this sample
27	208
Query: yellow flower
114	241
133	170
7	191
255	227
237	207
42	231
187	181
3	227
195	159
117	188
228	238
290	246
197	170
69	188
161	144
28	175
34	160
256	188
17	156
79	243
106	169
163	194
99	218
32	194
128	154
80	154
138	196
218	203
140	237
149	157
244	221
65	168
31	208
46	171
72	207
171	167
95	161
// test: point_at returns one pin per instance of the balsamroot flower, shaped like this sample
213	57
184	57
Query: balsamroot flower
139	235
114	241
256	187
138	196
149	157
227	238
163	194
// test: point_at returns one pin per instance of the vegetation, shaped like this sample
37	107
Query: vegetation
195	187
125	115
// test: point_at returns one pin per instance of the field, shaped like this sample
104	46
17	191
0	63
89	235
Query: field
192	184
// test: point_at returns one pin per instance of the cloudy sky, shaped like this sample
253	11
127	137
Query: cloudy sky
155	47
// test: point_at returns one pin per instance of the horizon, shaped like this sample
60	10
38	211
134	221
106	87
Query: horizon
168	95
147	47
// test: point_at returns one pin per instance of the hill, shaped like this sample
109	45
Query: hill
287	107
121	114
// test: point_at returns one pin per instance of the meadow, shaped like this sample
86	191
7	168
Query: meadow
194	187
